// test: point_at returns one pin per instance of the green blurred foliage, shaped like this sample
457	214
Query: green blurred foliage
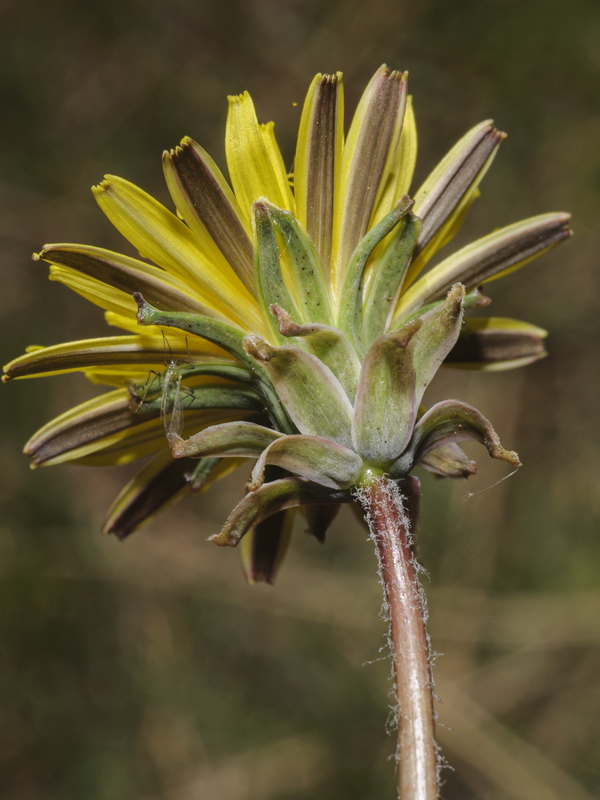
150	669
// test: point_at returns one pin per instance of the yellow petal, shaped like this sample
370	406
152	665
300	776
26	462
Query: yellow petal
126	376
163	238
267	130
116	320
125	351
120	377
506	324
98	293
253	158
406	157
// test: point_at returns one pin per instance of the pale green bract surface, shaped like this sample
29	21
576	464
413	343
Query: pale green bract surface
292	325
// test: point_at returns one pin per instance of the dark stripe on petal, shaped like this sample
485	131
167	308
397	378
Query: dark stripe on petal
488	258
126	274
156	486
371	142
453	178
201	194
315	167
493	343
264	548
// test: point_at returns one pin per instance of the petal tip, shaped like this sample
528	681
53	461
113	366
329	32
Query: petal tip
238	99
399	76
179	151
110	529
329	79
500	135
100	188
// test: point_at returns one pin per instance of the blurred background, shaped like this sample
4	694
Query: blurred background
150	669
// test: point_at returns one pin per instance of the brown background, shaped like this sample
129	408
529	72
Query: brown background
149	669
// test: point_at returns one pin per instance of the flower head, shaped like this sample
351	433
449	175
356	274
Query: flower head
300	317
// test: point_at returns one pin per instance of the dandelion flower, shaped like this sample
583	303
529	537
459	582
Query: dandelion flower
302	323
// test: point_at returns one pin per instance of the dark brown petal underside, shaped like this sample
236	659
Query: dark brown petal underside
92	355
487	346
111	418
487	261
123	275
380	126
267	545
454	183
152	494
212	207
321	167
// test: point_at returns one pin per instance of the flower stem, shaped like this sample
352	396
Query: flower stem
387	511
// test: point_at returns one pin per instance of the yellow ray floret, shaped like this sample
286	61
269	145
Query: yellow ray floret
254	160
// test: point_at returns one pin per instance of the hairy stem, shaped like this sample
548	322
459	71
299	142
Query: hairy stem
388	512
